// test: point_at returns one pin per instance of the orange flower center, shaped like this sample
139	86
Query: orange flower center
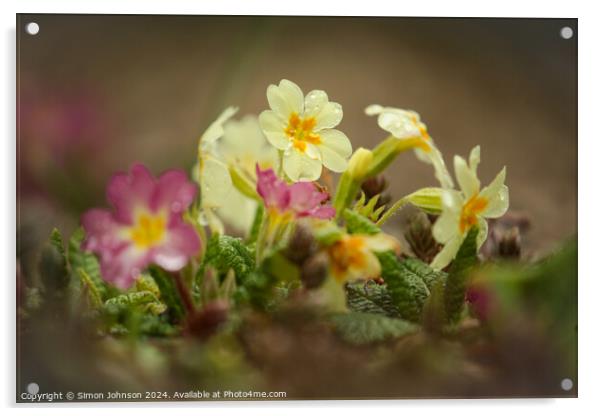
474	206
301	131
148	230
345	254
424	135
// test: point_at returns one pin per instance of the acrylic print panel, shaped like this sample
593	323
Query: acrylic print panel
280	208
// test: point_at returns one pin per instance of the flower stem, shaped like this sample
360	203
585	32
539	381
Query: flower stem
184	293
388	213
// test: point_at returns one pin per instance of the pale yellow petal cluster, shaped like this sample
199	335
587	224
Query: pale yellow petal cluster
302	128
469	207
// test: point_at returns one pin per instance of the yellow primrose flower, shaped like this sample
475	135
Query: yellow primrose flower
461	210
226	145
406	125
303	129
352	257
243	145
212	173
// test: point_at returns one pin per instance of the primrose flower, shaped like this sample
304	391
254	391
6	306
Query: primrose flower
145	226
406	125
301	199
303	128
352	257
461	210
212	173
241	147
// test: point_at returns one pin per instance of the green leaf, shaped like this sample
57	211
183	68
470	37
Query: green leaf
455	287
257	220
256	289
428	275
366	328
146	283
225	253
143	300
56	240
370	297
169	292
406	286
52	266
79	259
368	209
90	287
358	224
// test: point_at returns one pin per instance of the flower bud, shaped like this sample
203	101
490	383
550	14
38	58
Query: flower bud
301	245
427	199
205	323
314	270
359	163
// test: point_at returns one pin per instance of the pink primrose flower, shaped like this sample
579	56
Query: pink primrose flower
301	199
145	227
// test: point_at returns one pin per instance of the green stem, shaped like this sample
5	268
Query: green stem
184	293
346	191
388	213
261	238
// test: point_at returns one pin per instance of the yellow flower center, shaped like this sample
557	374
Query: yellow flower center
345	254
301	131
474	206
148	230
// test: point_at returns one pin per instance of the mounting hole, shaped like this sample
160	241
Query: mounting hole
32	28
566	384
566	32
33	388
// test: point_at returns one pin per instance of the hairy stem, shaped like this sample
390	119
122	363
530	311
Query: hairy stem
184	293
394	208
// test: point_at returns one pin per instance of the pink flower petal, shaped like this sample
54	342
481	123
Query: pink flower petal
274	192
122	267
127	191
301	198
174	192
324	212
305	197
101	231
182	242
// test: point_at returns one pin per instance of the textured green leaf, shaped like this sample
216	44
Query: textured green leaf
56	239
79	259
225	253
88	284
144	300
366	328
428	275
52	265
358	224
455	287
370	297
407	288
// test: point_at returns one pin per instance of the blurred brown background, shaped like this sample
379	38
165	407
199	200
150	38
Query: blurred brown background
97	93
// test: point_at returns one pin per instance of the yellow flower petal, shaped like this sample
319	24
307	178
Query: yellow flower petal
300	167
382	242
216	129
447	254
216	183
273	128
496	193
285	98
467	179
